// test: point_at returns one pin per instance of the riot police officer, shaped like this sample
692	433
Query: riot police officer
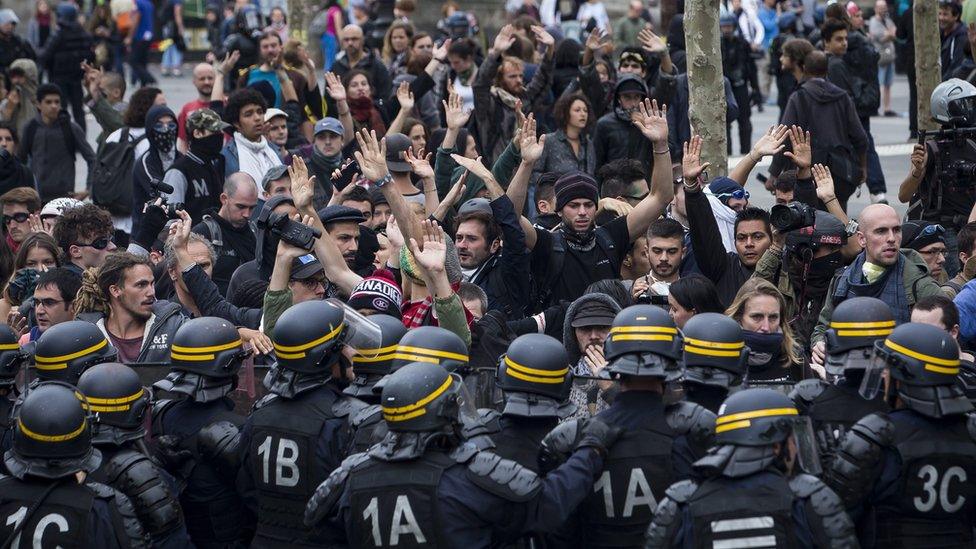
658	444
424	487
64	351
197	433
750	494
298	434
835	405
48	500
11	360
244	39
118	402
431	344
370	365
535	379
912	470
714	358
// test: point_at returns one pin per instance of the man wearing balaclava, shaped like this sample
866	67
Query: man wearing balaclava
198	177
161	133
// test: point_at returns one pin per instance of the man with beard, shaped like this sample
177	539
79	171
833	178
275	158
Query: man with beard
228	229
342	224
565	261
355	55
198	177
203	81
751	230
665	250
898	277
139	326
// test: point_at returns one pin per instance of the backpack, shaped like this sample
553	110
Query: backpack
863	61
111	175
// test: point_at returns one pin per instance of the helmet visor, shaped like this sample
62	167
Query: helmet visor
874	373
962	107
362	334
807	455
467	410
856	359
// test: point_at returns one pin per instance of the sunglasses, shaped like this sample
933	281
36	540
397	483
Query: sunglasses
927	231
740	194
99	244
19	217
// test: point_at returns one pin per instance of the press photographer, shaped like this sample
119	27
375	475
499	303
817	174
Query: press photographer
941	186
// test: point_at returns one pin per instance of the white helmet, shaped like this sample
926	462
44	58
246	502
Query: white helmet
58	206
952	100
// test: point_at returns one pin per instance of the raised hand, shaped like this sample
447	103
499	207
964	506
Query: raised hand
302	186
229	62
37	225
434	253
420	165
393	233
651	42
825	183
440	52
919	157
596	40
371	155
691	165
505	39
802	154
473	165
405	97
530	146
457	117
770	143
256	340
334	87
543	37
652	121
451	198
179	232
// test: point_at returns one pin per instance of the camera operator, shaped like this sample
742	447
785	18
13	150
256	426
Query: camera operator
665	250
940	186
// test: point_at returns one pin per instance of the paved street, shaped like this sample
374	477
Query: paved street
890	134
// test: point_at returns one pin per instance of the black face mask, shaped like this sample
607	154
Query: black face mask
816	275
162	141
207	147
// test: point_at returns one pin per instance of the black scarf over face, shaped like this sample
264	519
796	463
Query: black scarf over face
811	279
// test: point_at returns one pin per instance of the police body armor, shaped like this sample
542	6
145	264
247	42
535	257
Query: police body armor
134	474
518	438
365	425
760	510
6	422
283	446
833	409
937	498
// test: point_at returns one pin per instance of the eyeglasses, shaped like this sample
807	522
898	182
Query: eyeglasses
739	194
19	217
99	244
47	303
935	252
313	282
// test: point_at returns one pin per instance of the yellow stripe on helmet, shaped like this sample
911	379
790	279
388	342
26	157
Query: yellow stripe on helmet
533	375
643	330
752	414
51	438
923	357
310	344
211	349
859	325
51	360
410	411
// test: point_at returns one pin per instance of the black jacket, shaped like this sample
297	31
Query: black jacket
211	303
953	49
616	136
505	275
14	47
721	267
13	173
146	169
379	77
235	246
66	49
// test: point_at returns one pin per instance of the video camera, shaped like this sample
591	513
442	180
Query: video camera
792	216
951	147
289	230
647	298
156	190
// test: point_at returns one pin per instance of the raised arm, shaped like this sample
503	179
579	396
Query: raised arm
706	241
653	123
338	94
531	150
222	71
769	144
372	162
420	165
825	192
915	176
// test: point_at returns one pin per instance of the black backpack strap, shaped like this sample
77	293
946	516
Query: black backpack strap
216	234
27	140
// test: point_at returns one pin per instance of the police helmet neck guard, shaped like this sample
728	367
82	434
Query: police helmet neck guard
52	435
363	387
535	364
117	401
643	342
711	377
730	460
64	351
407	446
308	338
208	347
197	387
289	383
530	405
431	345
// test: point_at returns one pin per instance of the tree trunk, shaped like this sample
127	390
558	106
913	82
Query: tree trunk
928	70
706	89
297	21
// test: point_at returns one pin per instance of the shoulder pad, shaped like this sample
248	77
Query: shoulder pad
971	423
219	442
558	445
464	452
503	477
807	390
693	420
490	419
327	495
366	415
102	491
682	491
829	508
659	531
132	529
138	478
159	407
876	428
347	406
264	401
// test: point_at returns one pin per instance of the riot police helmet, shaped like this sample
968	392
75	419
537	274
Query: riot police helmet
755	417
924	361
434	345
534	373
953	103
715	352
208	346
308	337
52	435
856	324
11	356
424	397
64	351
643	342
370	364
115	397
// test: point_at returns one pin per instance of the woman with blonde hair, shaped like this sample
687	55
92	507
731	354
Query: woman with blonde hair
761	311
396	45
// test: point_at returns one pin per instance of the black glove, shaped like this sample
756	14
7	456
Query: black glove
153	222
597	435
168	451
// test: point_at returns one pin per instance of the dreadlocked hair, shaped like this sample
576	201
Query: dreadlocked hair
93	297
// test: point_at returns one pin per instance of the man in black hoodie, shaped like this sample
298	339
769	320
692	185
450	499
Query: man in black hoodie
828	113
62	57
616	136
954	37
162	154
266	247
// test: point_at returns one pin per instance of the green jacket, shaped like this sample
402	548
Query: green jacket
625	31
107	117
276	302
917	282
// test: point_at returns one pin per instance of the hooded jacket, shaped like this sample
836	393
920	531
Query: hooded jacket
66	49
13	173
827	112
585	393
149	166
265	251
26	110
953	49
616	136
167	317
